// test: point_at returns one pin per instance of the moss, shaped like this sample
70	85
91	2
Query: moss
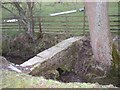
116	60
12	79
114	74
115	55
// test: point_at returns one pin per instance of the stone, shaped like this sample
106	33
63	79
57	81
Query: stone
32	61
62	55
3	62
56	57
49	53
6	65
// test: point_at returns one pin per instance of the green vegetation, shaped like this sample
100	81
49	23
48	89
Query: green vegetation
46	8
113	8
20	80
115	61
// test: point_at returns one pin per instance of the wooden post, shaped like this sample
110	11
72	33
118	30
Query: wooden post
32	24
40	28
66	30
19	25
84	23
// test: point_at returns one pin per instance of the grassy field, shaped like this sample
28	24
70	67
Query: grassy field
46	8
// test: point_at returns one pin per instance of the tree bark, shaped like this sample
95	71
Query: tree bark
97	13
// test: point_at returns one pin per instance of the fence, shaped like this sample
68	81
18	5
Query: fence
61	24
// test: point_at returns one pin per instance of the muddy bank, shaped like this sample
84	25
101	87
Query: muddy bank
22	47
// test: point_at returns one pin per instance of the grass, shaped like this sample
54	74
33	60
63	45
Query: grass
47	8
20	80
12	32
113	8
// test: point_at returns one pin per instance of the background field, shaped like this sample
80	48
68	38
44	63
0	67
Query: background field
64	24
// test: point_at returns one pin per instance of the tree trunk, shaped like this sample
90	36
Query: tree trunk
97	13
30	18
27	20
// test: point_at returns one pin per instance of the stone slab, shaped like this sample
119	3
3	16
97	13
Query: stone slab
61	54
68	42
32	61
49	53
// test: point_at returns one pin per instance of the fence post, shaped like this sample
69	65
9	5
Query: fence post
32	23
40	28
84	23
66	30
19	25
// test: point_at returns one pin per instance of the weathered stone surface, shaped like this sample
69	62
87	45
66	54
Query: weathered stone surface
3	62
50	52
55	49
32	61
62	55
6	65
66	43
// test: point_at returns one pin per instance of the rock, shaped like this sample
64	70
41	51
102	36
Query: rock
62	55
51	74
4	64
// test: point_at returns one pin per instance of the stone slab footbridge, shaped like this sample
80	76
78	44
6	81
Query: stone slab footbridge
62	55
